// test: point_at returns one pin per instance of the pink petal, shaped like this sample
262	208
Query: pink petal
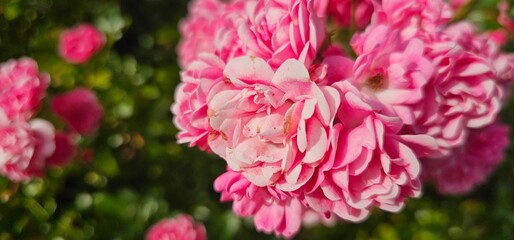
317	142
249	68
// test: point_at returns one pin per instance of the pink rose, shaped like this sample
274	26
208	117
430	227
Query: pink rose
199	28
309	144
210	29
22	88
278	30
78	44
488	46
181	227
274	30
17	147
79	109
273	127
413	18
370	163
391	70
25	157
470	164
441	81
236	34
463	93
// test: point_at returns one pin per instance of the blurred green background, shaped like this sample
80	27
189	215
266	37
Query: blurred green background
139	175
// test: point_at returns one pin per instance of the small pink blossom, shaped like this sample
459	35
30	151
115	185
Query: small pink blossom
78	44
470	164
200	30
22	89
180	227
79	109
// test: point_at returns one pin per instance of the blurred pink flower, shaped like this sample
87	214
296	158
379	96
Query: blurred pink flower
17	147
200	29
190	106
65	150
79	109
470	164
25	156
180	227
22	88
80	43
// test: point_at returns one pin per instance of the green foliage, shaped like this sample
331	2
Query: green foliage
139	175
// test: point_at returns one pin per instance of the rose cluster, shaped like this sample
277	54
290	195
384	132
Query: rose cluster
29	144
315	128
